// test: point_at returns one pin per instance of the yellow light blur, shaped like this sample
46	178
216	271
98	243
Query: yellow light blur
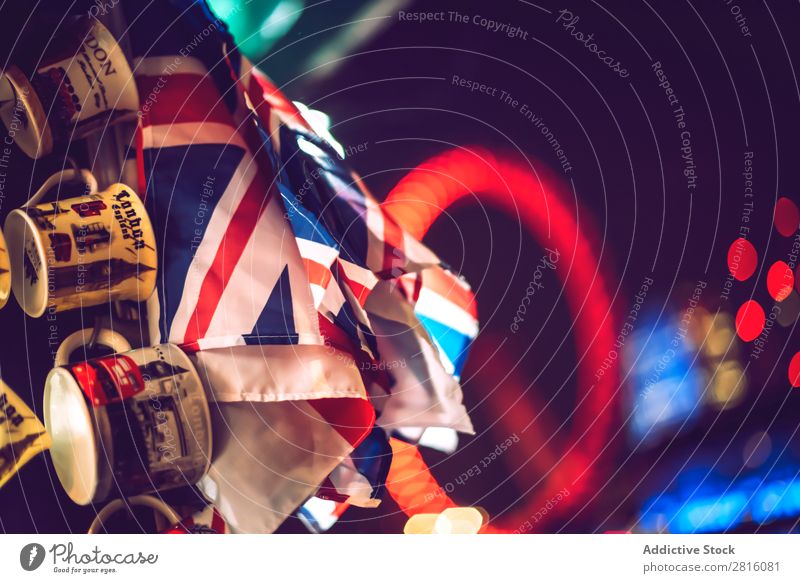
721	340
421	524
462	520
728	384
459	520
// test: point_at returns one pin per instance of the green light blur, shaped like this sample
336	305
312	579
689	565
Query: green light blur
257	25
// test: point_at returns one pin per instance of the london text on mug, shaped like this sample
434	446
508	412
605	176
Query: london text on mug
82	251
82	83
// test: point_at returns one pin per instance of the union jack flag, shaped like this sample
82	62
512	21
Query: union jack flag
275	263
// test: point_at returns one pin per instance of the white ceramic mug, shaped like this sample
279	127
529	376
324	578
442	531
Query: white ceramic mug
132	422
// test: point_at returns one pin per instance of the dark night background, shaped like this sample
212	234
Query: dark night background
393	93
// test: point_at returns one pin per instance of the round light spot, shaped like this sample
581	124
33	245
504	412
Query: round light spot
794	370
757	449
790	309
780	281
787	217
750	320
742	259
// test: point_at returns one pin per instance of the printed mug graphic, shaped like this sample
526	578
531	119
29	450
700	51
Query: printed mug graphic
31	556
82	251
81	85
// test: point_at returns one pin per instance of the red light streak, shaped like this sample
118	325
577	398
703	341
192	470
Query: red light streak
542	204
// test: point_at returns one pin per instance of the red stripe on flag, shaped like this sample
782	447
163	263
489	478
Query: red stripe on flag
238	233
340	508
353	419
183	98
337	338
317	273
361	292
260	106
262	89
217	523
410	285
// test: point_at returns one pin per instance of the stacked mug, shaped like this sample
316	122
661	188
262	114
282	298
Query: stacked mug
82	83
81	251
133	422
136	421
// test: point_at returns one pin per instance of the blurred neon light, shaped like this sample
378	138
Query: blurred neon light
776	500
666	384
753	499
541	202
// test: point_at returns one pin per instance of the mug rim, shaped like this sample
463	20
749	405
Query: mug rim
5	292
88	483
37	141
35	307
206	401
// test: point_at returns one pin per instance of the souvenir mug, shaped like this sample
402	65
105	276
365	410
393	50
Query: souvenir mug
82	251
82	83
5	272
130	423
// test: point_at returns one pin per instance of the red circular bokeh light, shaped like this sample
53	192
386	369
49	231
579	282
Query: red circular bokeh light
786	217
750	320
794	370
780	281
742	259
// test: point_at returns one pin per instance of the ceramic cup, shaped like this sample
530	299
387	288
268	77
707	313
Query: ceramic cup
82	251
130	423
82	83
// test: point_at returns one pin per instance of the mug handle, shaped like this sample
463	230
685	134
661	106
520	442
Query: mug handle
106	337
144	500
72	174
